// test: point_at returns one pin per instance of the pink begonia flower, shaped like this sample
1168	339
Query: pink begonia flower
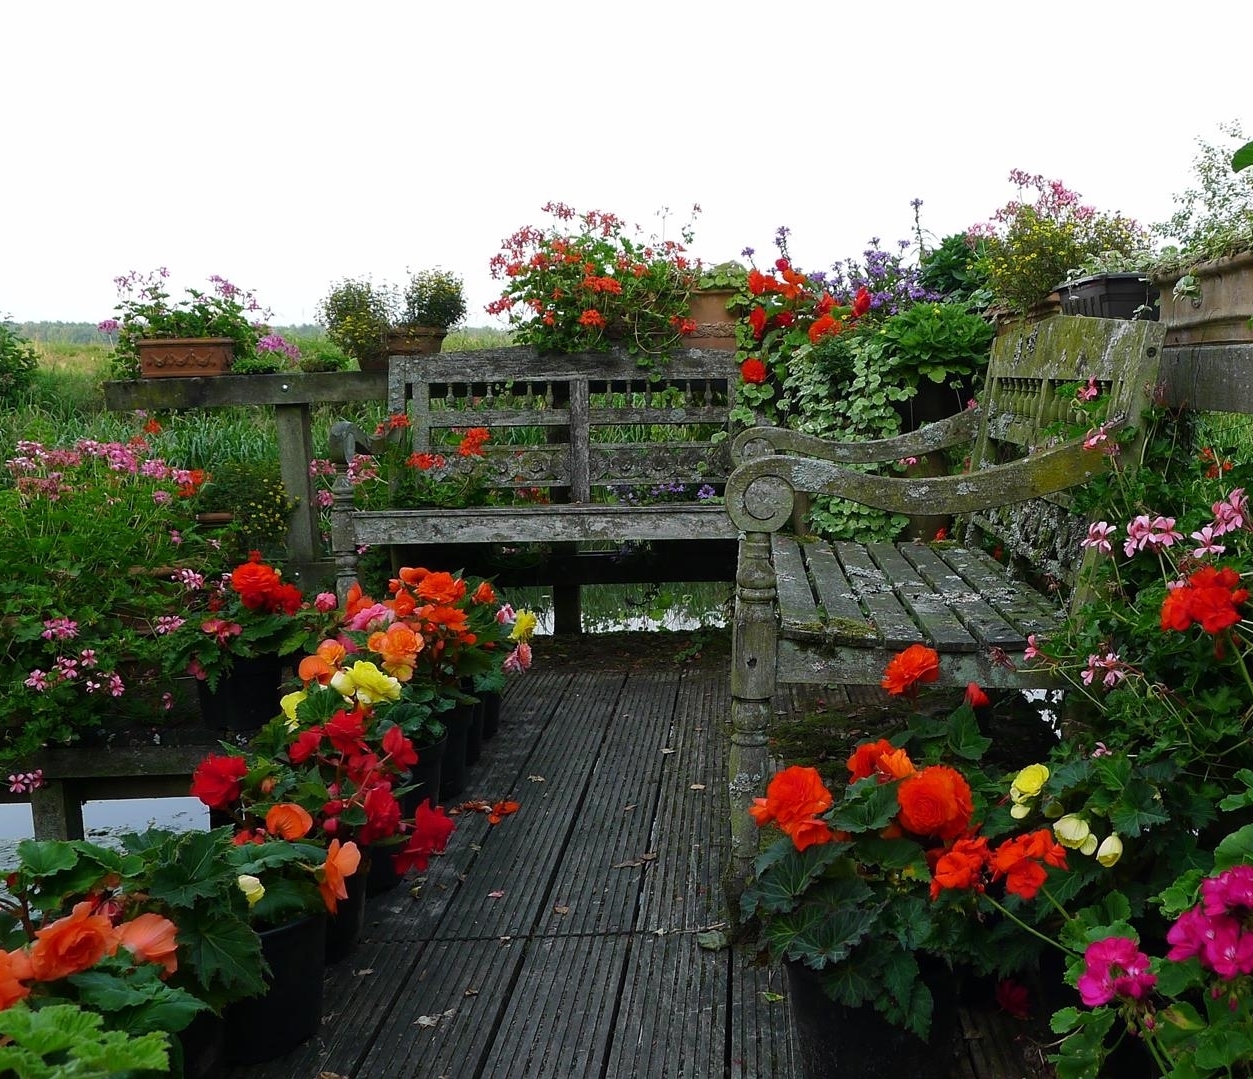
371	618
1098	536
1114	967
506	615
519	659
325	601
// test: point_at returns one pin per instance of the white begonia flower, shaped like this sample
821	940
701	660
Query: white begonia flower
1110	850
252	888
1072	831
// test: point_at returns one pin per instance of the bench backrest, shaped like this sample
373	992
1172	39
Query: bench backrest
572	424
1023	410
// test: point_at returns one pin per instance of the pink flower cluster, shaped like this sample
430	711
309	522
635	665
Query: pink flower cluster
1219	930
1114	967
1114	668
1147	533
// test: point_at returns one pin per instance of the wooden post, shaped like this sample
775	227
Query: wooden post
754	649
295	451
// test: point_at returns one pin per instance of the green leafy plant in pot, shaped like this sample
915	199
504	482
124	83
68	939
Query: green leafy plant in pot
357	315
432	303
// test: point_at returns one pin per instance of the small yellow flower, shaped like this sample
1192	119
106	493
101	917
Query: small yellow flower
1029	782
252	888
289	703
524	624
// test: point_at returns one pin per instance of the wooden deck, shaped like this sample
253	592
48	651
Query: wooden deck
565	941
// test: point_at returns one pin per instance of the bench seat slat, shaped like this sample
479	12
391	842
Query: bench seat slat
874	591
845	621
1022	607
798	612
930	608
981	620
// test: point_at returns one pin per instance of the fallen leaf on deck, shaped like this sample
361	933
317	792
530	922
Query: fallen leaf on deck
537	779
697	787
471	992
364	971
772	998
667	749
712	940
433	1020
495	895
561	910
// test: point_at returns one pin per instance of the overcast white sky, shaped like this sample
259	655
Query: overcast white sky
284	144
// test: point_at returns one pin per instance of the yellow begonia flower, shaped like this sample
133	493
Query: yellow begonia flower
1019	810
252	888
343	684
1088	846
1072	831
290	702
372	684
1029	782
524	623
1110	850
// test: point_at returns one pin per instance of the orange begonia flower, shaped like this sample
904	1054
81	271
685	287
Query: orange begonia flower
15	968
399	647
441	588
935	802
288	821
485	593
794	794
151	938
961	866
917	663
72	944
341	863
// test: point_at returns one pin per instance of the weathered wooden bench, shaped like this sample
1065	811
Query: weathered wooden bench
808	611
568	431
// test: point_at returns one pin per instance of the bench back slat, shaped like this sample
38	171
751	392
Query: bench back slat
573	425
1021	403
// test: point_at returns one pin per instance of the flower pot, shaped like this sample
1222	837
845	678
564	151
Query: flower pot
491	713
247	696
474	736
415	340
380	873
855	1043
424	776
200	1047
1110	295
715	325
452	780
1218	312
344	927
185	357
290	1011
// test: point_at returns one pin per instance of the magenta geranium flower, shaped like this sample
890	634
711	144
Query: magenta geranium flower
1115	967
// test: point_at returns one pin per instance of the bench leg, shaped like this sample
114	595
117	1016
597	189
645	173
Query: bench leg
567	609
56	812
754	649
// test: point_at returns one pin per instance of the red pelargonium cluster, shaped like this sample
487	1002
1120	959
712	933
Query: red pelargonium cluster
1210	598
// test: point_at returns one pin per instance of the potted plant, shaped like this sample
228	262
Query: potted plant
720	293
274	355
202	334
588	281
1031	246
1206	274
357	316
432	303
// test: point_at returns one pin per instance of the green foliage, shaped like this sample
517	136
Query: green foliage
63	1041
433	298
18	362
1215	216
357	316
955	271
941	342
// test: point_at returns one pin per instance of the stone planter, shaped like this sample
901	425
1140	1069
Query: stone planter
1217	311
185	357
415	340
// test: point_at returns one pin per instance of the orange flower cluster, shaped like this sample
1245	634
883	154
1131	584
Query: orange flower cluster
907	669
1020	861
261	587
793	800
78	941
472	442
1210	599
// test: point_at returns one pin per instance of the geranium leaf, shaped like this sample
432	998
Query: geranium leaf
42	859
1235	849
869	808
222	952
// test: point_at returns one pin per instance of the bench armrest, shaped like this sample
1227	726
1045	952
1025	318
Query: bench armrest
760	493
347	440
953	431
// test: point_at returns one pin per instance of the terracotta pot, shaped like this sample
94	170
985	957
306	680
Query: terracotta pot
185	357
715	325
1219	310
415	340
